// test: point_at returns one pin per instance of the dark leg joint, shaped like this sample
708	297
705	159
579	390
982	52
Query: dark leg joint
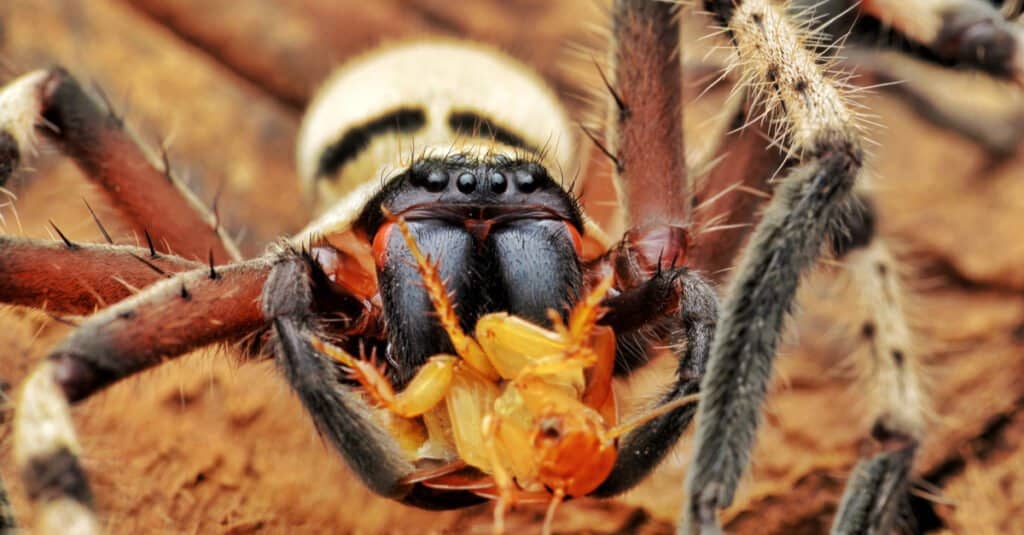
891	439
79	378
981	40
857	227
10	157
57	475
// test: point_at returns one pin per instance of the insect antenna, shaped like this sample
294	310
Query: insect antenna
624	428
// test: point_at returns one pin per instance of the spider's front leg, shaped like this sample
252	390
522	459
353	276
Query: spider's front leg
808	209
168	319
662	302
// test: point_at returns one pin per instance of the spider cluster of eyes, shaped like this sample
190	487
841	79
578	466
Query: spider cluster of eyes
458	169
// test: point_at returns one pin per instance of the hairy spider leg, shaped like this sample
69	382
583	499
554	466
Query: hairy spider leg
119	341
810	207
663	306
53	105
962	33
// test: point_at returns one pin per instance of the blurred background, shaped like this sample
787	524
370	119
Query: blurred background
207	445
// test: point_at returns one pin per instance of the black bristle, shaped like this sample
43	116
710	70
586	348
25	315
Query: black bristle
151	265
621	104
184	292
70	244
213	272
149	241
99	224
615	160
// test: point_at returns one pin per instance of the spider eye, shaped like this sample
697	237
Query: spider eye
498	182
466	183
436	181
526	182
432	180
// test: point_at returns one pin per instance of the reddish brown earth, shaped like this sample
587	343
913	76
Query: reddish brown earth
204	444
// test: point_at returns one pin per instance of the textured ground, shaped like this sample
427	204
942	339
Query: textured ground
205	445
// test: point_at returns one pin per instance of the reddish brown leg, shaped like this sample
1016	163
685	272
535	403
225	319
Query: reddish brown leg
171	317
645	127
729	197
142	188
71	278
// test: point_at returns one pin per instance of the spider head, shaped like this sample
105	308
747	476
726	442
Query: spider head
505	235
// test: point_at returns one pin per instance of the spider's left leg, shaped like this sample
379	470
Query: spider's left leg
660	303
165	320
817	125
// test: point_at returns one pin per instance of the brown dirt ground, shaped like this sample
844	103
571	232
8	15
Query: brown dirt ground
205	445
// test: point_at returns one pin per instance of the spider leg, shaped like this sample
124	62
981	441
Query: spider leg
53	105
338	413
813	117
72	278
168	319
872	500
690	330
645	128
659	302
737	185
893	371
965	33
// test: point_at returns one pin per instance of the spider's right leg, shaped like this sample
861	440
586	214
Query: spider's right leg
152	200
167	319
73	278
661	303
891	374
